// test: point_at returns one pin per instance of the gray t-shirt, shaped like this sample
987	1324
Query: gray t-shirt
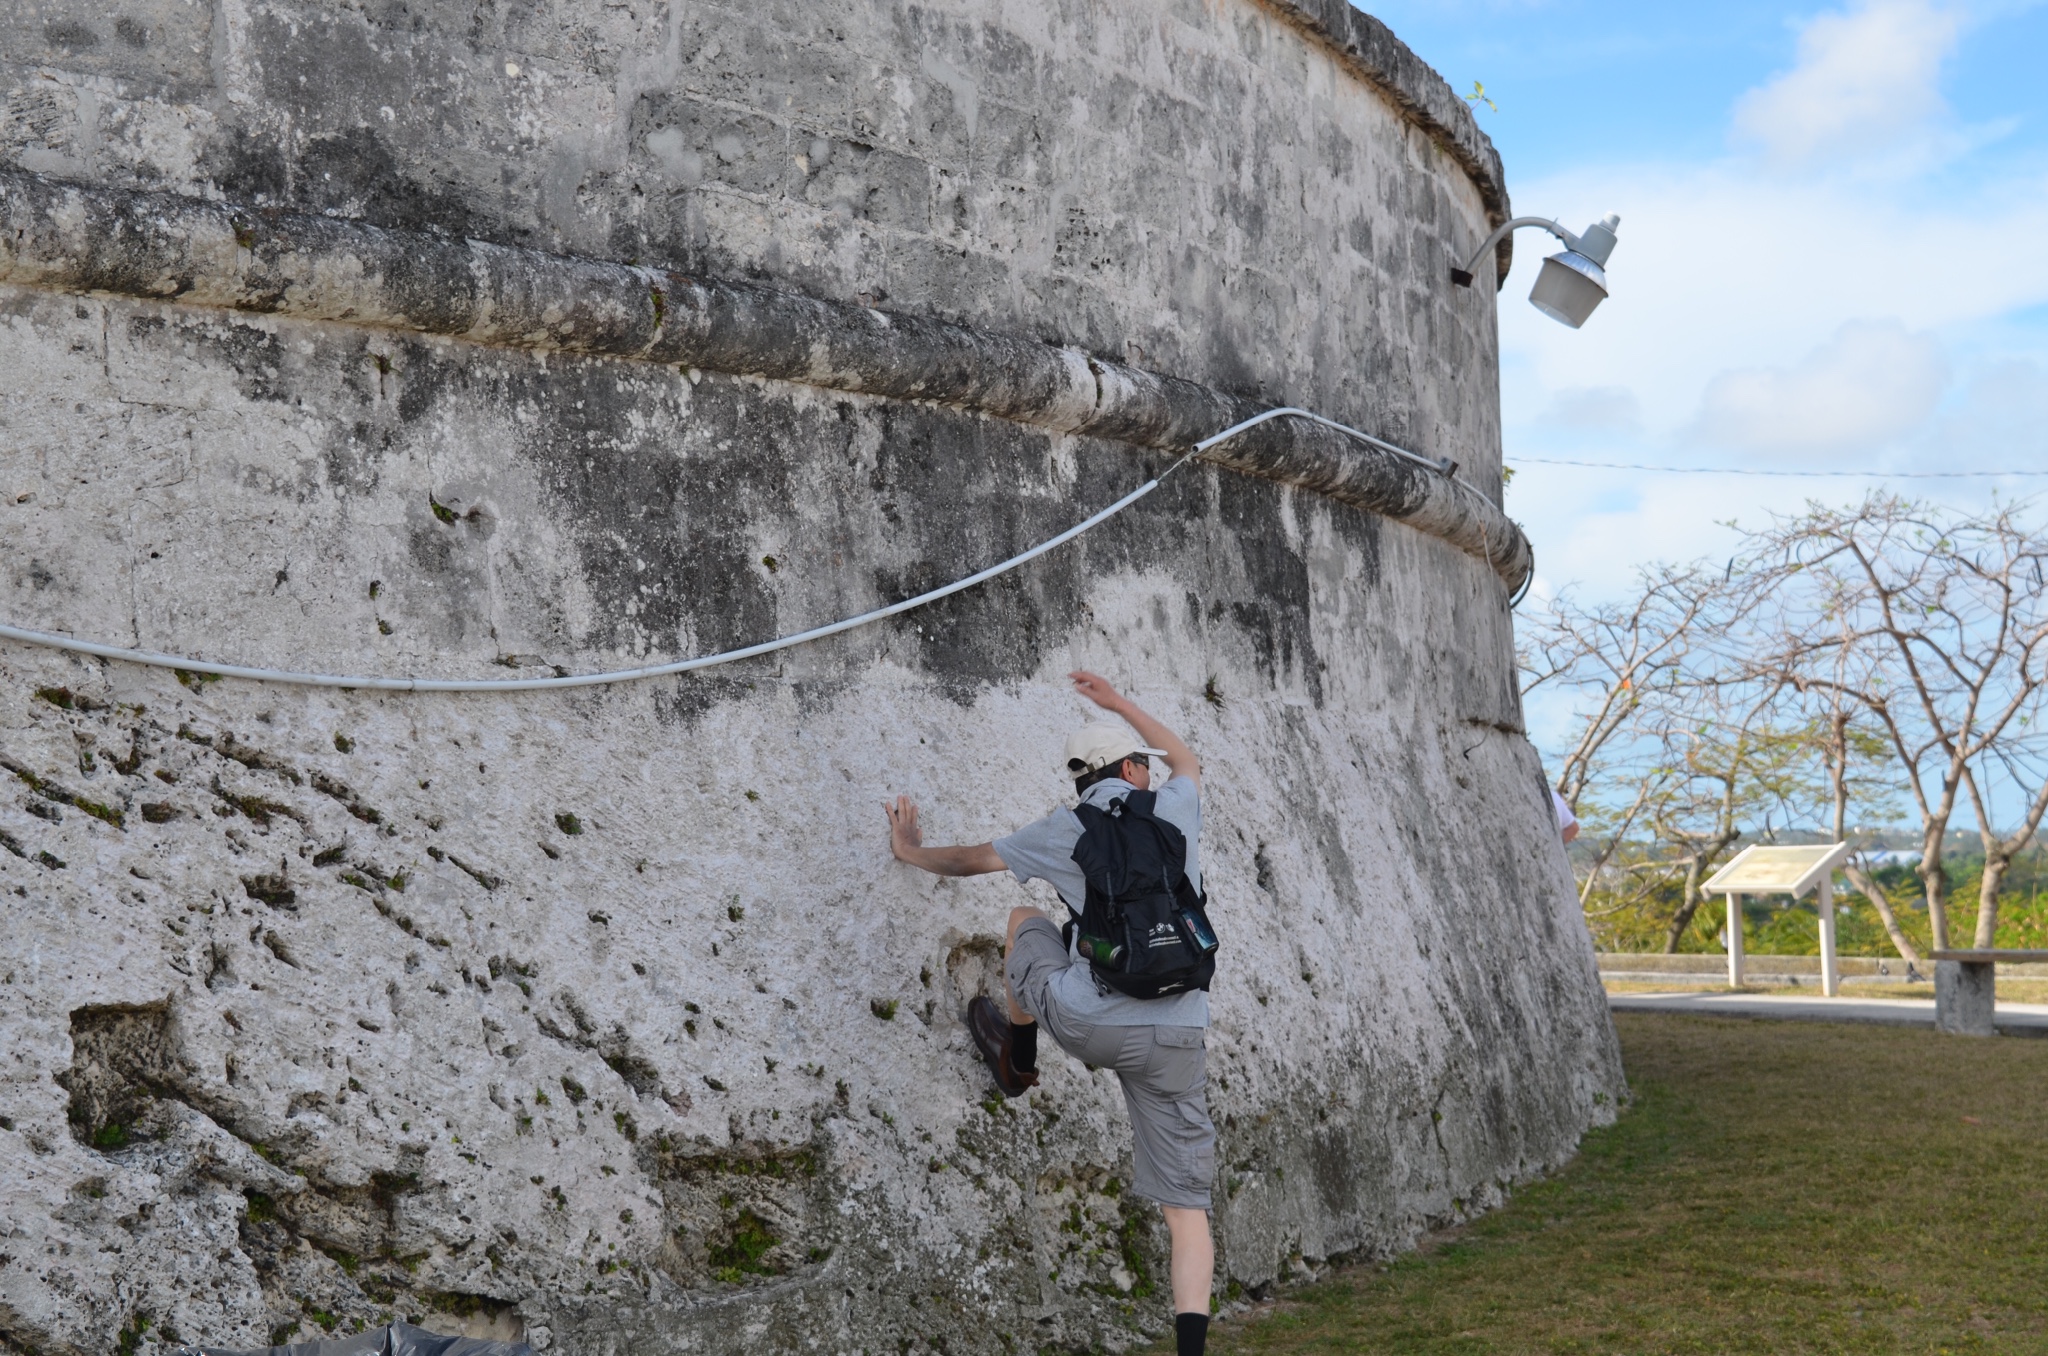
1045	851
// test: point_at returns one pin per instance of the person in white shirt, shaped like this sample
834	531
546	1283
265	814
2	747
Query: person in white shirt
1567	822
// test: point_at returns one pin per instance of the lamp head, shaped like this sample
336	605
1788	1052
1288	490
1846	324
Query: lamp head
1574	281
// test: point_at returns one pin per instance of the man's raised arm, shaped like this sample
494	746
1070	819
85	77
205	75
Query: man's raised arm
1180	759
906	841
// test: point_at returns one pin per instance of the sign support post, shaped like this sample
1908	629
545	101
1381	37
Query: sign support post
1734	941
1830	978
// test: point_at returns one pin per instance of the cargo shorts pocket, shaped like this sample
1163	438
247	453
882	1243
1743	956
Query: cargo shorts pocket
1179	1066
1201	1143
1078	1039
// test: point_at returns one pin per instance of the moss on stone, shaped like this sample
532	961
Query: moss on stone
742	1251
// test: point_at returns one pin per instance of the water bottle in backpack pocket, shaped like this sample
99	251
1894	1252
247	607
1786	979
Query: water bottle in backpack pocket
1143	929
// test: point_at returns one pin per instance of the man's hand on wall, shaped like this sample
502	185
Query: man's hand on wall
906	843
905	837
1097	689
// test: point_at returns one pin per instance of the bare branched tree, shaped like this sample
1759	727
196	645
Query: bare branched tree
1844	745
1734	769
1935	625
1666	730
1613	655
1855	759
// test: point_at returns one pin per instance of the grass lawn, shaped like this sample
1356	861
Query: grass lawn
1772	1187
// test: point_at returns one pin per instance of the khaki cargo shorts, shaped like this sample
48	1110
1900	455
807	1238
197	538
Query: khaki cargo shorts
1163	1069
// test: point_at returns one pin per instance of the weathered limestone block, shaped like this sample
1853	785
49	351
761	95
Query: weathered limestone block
602	1017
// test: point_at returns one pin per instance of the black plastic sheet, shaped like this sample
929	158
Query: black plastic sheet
400	1339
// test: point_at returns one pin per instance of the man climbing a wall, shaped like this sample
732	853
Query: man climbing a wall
1129	992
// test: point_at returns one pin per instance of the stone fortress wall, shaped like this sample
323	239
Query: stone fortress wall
602	1016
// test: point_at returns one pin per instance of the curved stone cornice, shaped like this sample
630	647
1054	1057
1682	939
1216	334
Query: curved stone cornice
163	247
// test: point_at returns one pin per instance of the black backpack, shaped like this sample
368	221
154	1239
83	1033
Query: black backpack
1143	929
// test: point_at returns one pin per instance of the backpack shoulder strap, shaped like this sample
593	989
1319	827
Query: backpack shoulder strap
1097	852
1173	844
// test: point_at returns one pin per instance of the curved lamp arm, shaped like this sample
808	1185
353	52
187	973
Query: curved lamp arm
1463	276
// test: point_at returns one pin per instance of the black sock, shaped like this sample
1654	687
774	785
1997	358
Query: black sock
1024	1047
1190	1334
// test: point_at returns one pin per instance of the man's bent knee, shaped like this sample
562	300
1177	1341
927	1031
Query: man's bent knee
1034	955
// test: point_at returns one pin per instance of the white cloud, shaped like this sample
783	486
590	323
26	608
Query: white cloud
1594	410
1719	269
1867	387
1593	528
1865	79
2000	420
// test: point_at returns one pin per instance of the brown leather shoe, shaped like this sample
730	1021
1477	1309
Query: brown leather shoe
991	1031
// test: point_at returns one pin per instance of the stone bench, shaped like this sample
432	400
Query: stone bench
1965	988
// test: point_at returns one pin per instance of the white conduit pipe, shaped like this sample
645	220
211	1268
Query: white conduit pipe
169	661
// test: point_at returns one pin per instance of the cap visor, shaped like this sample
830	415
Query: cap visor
1156	753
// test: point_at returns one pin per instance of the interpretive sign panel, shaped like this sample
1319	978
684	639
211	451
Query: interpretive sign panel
1759	870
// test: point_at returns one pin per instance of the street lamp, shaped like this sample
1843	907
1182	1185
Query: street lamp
1573	281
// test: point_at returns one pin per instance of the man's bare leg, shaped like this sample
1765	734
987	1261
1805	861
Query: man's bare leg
1194	1266
1194	1258
1018	917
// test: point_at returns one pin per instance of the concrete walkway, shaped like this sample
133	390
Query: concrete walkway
2014	1019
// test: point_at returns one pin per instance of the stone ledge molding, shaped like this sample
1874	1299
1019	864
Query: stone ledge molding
165	247
1369	49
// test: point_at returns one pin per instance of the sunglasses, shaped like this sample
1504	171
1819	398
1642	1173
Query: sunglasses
1081	769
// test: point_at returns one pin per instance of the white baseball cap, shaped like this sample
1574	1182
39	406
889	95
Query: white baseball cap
1095	747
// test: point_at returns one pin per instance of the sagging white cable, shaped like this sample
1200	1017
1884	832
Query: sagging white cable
1446	468
188	665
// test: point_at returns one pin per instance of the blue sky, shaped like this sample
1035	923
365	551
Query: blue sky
1586	82
1834	255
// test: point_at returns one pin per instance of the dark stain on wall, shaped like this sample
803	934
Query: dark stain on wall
354	173
664	529
248	166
